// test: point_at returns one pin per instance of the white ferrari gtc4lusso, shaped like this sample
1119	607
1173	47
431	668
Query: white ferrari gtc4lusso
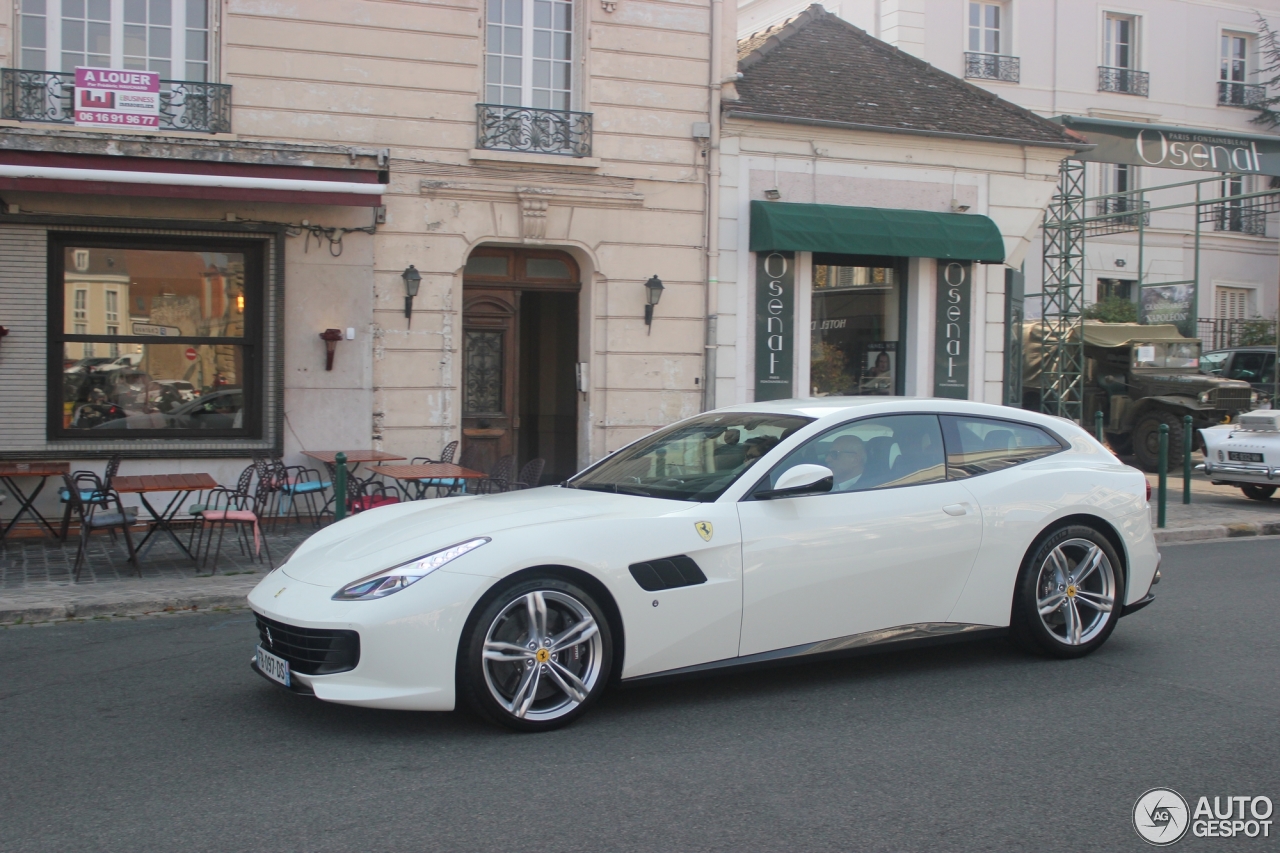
746	535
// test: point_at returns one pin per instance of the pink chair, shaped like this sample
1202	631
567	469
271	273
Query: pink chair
241	510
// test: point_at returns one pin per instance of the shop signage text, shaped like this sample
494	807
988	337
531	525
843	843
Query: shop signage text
110	98
1176	148
952	331
775	326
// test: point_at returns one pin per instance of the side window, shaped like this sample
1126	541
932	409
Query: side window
874	453
1249	366
1211	363
982	445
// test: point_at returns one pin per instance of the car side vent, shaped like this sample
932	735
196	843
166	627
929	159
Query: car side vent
667	573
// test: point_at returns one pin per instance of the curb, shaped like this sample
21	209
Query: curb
58	612
1244	529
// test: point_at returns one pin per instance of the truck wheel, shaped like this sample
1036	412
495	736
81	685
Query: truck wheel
1258	493
1146	440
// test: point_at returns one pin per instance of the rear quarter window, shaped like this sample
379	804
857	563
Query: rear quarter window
978	446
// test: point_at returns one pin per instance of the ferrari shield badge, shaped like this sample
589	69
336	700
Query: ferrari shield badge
705	530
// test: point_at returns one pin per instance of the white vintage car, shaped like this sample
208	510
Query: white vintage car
748	535
1245	453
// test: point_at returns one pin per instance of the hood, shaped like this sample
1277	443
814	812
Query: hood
379	539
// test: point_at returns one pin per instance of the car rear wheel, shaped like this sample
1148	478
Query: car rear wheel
1069	594
1146	441
536	656
1258	493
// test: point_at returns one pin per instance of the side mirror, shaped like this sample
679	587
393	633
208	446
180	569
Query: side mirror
800	480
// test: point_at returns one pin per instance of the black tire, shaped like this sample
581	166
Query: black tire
1258	493
492	688
1146	440
1042	634
1121	443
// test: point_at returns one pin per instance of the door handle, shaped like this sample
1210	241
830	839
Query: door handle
956	509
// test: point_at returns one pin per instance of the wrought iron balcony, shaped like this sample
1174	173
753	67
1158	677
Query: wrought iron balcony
46	96
1119	224
1126	81
992	66
1241	217
535	131
1232	94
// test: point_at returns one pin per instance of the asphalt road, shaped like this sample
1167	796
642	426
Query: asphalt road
154	735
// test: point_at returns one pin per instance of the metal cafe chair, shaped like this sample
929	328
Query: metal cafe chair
440	483
96	514
243	510
530	474
113	466
499	479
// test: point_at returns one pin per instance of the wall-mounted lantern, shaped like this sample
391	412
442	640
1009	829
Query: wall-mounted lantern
330	338
652	295
412	280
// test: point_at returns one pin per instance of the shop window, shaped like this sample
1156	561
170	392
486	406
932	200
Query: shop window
169	37
182	322
855	326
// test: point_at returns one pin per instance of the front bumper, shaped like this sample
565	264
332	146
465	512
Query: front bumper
408	641
1235	473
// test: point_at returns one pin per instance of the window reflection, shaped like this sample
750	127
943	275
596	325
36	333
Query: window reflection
166	386
152	294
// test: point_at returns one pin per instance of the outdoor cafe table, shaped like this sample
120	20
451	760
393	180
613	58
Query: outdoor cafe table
182	484
430	471
26	503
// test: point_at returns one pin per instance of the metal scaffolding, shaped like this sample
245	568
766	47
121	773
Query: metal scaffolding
1067	222
1062	295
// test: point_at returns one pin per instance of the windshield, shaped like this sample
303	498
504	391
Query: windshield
1167	355
694	460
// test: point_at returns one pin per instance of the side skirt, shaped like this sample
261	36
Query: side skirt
871	642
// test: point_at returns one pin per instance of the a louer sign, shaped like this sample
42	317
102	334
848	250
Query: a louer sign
1167	147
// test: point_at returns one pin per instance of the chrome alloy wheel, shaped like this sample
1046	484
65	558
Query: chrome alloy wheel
1075	591
542	655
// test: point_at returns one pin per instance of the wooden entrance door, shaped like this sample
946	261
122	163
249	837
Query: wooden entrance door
490	345
500	346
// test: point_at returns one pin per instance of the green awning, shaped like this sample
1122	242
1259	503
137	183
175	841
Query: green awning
779	226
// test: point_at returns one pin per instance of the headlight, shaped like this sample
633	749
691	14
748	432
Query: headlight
1253	399
396	578
1205	395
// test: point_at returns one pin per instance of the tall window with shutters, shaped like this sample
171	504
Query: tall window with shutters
1233	303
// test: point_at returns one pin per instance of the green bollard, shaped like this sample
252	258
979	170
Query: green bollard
1097	426
1163	493
340	486
1187	434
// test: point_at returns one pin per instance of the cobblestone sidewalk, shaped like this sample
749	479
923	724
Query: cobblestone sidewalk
36	584
36	580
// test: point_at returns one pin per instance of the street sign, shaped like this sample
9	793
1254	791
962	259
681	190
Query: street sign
191	354
154	331
106	97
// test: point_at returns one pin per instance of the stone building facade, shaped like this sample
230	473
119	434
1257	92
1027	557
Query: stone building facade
535	162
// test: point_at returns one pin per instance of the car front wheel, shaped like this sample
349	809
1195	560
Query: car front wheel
536	656
1069	594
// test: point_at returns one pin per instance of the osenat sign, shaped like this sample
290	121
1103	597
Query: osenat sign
775	324
1167	147
1196	151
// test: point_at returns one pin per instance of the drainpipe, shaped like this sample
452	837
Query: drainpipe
713	212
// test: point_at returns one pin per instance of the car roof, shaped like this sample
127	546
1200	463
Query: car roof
839	408
1242	349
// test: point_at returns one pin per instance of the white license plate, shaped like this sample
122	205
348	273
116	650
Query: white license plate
277	669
